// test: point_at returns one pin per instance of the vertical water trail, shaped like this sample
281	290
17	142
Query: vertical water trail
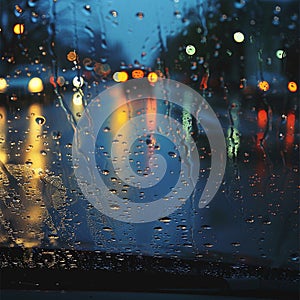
52	51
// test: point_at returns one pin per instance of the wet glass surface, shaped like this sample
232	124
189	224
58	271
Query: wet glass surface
241	56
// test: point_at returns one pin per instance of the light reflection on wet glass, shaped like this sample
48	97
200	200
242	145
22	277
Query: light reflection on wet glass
255	212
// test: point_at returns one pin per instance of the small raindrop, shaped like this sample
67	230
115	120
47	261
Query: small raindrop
87	8
140	15
105	172
206	227
165	220
43	152
114	13
34	17
158	228
32	3
294	257
106	129
40	120
107	228
56	135
236	244
18	11
114	207
172	154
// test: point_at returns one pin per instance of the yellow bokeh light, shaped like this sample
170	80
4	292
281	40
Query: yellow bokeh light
3	85
292	86
152	77
35	85
264	85
19	29
122	76
238	37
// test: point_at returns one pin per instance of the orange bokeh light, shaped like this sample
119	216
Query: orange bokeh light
71	56
292	86
264	85
137	74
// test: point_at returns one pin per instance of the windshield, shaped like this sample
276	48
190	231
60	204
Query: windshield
164	130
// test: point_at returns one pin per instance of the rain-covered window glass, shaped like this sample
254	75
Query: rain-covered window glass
150	136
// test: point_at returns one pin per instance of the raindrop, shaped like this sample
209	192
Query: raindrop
114	207
294	17
114	13
40	120
34	17
107	228
172	154
106	129
105	172
18	11
32	3
165	220
177	14
236	244
239	4
56	135
28	162
140	15
206	227
158	228
43	152
275	21
250	220
87	8
294	257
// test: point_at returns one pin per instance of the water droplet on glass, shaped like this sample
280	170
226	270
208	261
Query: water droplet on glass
32	3
107	228
56	135
294	257
34	17
87	8
165	220
18	11
114	207
206	227
158	228
235	244
140	15
43	152
105	172
114	13
172	154
40	120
